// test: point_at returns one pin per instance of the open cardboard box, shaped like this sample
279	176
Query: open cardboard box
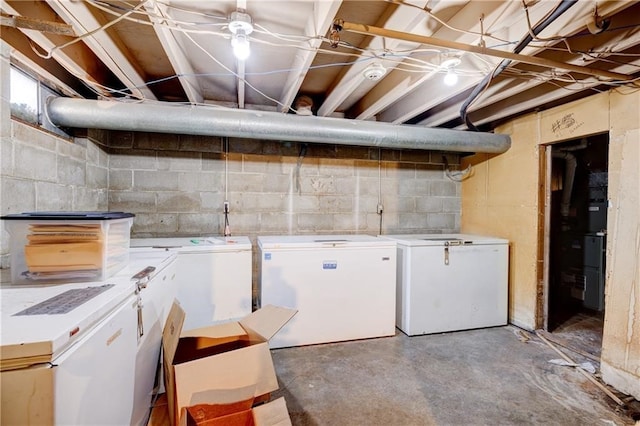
221	364
239	413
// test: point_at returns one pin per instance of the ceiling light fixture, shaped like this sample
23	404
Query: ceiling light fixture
448	64
374	71
450	78
240	25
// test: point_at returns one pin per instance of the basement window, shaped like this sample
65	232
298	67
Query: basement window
28	99
24	97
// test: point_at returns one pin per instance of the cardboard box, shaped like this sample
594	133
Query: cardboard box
241	413
219	364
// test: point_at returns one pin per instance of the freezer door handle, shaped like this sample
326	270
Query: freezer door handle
144	274
140	324
446	253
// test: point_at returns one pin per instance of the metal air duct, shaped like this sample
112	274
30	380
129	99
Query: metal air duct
218	121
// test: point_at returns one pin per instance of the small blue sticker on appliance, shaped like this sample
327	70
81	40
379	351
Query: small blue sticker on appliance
267	256
330	264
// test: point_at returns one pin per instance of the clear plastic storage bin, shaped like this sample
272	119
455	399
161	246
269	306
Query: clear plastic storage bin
67	246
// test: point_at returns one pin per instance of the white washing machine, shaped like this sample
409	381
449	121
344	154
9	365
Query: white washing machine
450	282
213	275
343	286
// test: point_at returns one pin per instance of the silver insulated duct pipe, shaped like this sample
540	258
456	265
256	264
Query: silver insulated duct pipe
218	121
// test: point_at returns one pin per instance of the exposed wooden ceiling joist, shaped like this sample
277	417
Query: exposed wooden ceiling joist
398	84
406	18
76	58
50	70
147	48
175	51
104	44
317	25
419	100
507	89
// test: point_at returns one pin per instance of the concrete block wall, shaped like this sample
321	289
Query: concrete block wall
42	172
177	185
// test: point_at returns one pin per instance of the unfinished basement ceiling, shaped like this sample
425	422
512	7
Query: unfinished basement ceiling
180	51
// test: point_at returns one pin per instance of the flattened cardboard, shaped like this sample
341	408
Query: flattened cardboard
274	413
203	365
267	321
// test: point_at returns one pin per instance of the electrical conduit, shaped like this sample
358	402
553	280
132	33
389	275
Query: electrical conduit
559	10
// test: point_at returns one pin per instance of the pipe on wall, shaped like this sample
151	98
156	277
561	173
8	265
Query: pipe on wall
217	121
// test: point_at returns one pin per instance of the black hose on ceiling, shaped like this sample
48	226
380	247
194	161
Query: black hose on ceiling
559	10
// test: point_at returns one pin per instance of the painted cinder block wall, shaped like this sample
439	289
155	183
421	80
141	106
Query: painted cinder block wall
504	197
177	185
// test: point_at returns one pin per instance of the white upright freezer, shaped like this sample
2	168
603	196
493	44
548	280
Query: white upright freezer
343	286
450	282
84	353
214	276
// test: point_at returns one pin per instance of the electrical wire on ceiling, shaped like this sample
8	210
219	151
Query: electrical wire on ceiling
277	102
484	84
532	34
194	12
403	60
88	34
445	24
261	29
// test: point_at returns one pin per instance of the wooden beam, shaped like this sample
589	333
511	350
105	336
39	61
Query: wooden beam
76	58
240	65
407	18
398	83
317	25
48	69
422	98
105	44
432	41
36	24
175	52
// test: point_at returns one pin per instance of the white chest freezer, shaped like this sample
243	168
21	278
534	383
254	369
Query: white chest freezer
84	353
450	282
343	286
214	276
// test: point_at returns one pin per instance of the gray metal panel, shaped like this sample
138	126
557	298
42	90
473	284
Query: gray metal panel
594	289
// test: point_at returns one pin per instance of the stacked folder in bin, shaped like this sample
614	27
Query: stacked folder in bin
76	246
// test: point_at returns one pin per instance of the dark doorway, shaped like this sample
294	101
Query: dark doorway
579	178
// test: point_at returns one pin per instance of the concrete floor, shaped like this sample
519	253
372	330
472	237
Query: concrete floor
478	377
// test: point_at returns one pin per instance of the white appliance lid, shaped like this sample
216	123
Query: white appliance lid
440	239
191	244
322	241
37	336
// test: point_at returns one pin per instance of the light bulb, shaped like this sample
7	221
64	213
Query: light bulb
240	44
451	78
